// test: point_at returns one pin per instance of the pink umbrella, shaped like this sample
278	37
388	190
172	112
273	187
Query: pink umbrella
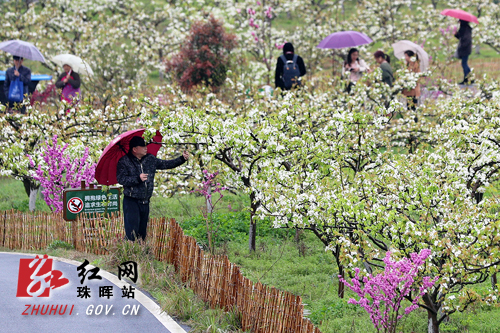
460	14
105	172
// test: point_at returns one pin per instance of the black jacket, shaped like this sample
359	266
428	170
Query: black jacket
75	81
128	172
278	80
464	35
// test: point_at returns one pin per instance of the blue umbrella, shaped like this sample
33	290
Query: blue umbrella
343	39
22	49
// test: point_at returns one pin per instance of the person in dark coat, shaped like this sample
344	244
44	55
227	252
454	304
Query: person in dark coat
385	65
69	82
464	49
288	52
136	171
21	72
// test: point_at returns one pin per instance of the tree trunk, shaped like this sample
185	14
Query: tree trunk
432	323
208	200
252	233
478	49
494	281
31	190
297	235
341	284
32	201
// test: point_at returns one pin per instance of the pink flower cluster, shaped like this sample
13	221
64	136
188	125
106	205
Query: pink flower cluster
209	186
279	46
449	29
59	171
251	22
381	295
269	12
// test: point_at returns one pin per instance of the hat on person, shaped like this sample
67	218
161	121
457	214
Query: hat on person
136	141
17	58
288	48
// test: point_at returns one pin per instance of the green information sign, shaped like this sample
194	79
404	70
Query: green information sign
90	200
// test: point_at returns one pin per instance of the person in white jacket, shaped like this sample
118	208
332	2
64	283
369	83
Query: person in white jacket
355	67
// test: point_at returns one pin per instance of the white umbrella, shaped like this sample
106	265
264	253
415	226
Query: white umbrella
76	63
405	45
22	49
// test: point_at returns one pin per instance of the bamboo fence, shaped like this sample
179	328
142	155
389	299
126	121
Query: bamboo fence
215	279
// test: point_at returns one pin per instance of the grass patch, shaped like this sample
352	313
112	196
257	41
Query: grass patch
13	196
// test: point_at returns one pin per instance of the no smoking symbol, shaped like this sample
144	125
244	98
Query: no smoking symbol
75	205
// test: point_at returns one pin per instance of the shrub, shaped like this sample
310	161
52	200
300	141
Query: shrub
59	244
204	57
50	92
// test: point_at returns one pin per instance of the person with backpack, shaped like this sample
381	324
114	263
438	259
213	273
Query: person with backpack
18	76
289	68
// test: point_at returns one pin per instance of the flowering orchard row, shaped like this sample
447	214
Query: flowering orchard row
363	181
124	41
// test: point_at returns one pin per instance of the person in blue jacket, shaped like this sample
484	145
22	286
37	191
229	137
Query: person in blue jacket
21	72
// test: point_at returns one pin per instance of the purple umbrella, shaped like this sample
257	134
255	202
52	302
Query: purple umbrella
22	49
342	39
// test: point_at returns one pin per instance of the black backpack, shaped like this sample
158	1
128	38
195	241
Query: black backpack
291	72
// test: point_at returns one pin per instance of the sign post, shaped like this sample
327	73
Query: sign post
90	200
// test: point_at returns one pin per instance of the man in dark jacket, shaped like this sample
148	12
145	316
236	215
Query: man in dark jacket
464	35
288	53
136	172
21	72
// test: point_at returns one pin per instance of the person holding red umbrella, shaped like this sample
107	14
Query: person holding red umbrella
464	49
136	171
464	35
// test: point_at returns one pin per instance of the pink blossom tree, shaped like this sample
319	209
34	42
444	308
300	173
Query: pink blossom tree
381	295
59	170
208	188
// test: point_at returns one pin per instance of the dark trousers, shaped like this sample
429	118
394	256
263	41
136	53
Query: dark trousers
135	216
349	87
465	66
412	103
16	107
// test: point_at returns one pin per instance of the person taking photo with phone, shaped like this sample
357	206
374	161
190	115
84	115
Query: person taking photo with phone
136	171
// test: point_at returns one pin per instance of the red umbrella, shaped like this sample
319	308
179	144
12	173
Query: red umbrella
460	14
105	172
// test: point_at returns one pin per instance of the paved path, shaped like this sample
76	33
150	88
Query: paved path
83	317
